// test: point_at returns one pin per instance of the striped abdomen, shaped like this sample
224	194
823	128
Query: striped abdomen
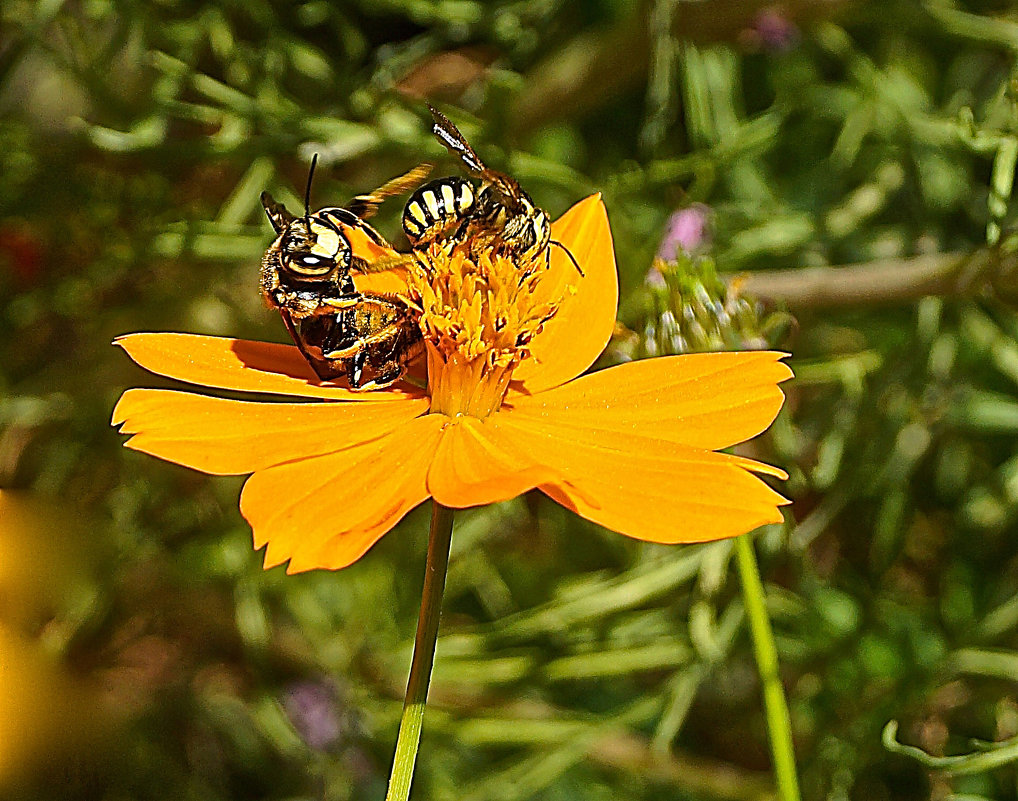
437	209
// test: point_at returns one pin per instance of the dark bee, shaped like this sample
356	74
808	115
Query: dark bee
306	275
375	331
498	215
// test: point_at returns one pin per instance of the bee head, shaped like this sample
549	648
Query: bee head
310	248
313	249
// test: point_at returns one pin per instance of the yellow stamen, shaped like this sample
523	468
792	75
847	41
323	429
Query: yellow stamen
478	314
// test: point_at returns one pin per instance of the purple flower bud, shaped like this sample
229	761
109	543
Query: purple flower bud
774	31
687	232
313	710
654	279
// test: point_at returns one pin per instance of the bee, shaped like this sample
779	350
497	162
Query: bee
306	276
499	214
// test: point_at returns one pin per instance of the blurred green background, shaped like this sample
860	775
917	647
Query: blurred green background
848	164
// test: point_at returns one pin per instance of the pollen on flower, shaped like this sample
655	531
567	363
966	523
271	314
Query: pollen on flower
478	313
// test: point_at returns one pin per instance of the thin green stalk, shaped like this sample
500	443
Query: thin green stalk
409	738
779	724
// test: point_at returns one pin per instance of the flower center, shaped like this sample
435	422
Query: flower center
478	314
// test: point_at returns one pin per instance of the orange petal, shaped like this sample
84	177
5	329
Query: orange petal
575	337
229	437
240	364
477	464
393	282
364	247
652	490
705	400
327	511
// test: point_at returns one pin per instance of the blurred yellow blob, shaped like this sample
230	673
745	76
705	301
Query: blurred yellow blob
44	709
37	707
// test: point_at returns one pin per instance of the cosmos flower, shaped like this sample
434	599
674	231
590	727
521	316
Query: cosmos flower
506	410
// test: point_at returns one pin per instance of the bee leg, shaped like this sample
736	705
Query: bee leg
355	370
325	370
388	374
341	302
359	345
347	351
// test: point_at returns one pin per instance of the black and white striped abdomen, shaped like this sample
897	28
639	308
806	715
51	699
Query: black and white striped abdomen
437	208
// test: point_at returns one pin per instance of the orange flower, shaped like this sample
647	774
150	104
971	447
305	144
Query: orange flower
630	447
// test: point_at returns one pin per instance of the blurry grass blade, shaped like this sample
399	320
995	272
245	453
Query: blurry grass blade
999	621
981	662
984	411
1001	184
783	233
866	200
250	614
225	95
337	141
604	597
660	101
750	138
666	654
700	126
309	61
533	773
505	731
681	692
143	135
850	369
857	125
243	200
888	533
488	671
994	756
714	568
209	242
986	335
982	29
528	168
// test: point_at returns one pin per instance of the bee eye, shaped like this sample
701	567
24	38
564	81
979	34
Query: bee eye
309	264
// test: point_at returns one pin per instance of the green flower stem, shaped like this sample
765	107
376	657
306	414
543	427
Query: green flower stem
409	738
779	723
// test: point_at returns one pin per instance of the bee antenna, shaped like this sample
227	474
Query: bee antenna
572	258
307	193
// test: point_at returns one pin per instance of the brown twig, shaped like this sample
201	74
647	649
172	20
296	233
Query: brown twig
626	751
882	282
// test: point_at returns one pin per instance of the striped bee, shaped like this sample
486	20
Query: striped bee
438	210
306	275
499	215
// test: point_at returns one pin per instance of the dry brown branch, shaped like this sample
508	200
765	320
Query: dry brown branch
882	282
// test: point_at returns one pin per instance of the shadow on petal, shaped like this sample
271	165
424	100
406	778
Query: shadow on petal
240	365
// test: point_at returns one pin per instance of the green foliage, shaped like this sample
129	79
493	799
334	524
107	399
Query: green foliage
134	140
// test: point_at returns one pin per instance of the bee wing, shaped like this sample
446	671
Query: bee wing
365	206
509	192
450	136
